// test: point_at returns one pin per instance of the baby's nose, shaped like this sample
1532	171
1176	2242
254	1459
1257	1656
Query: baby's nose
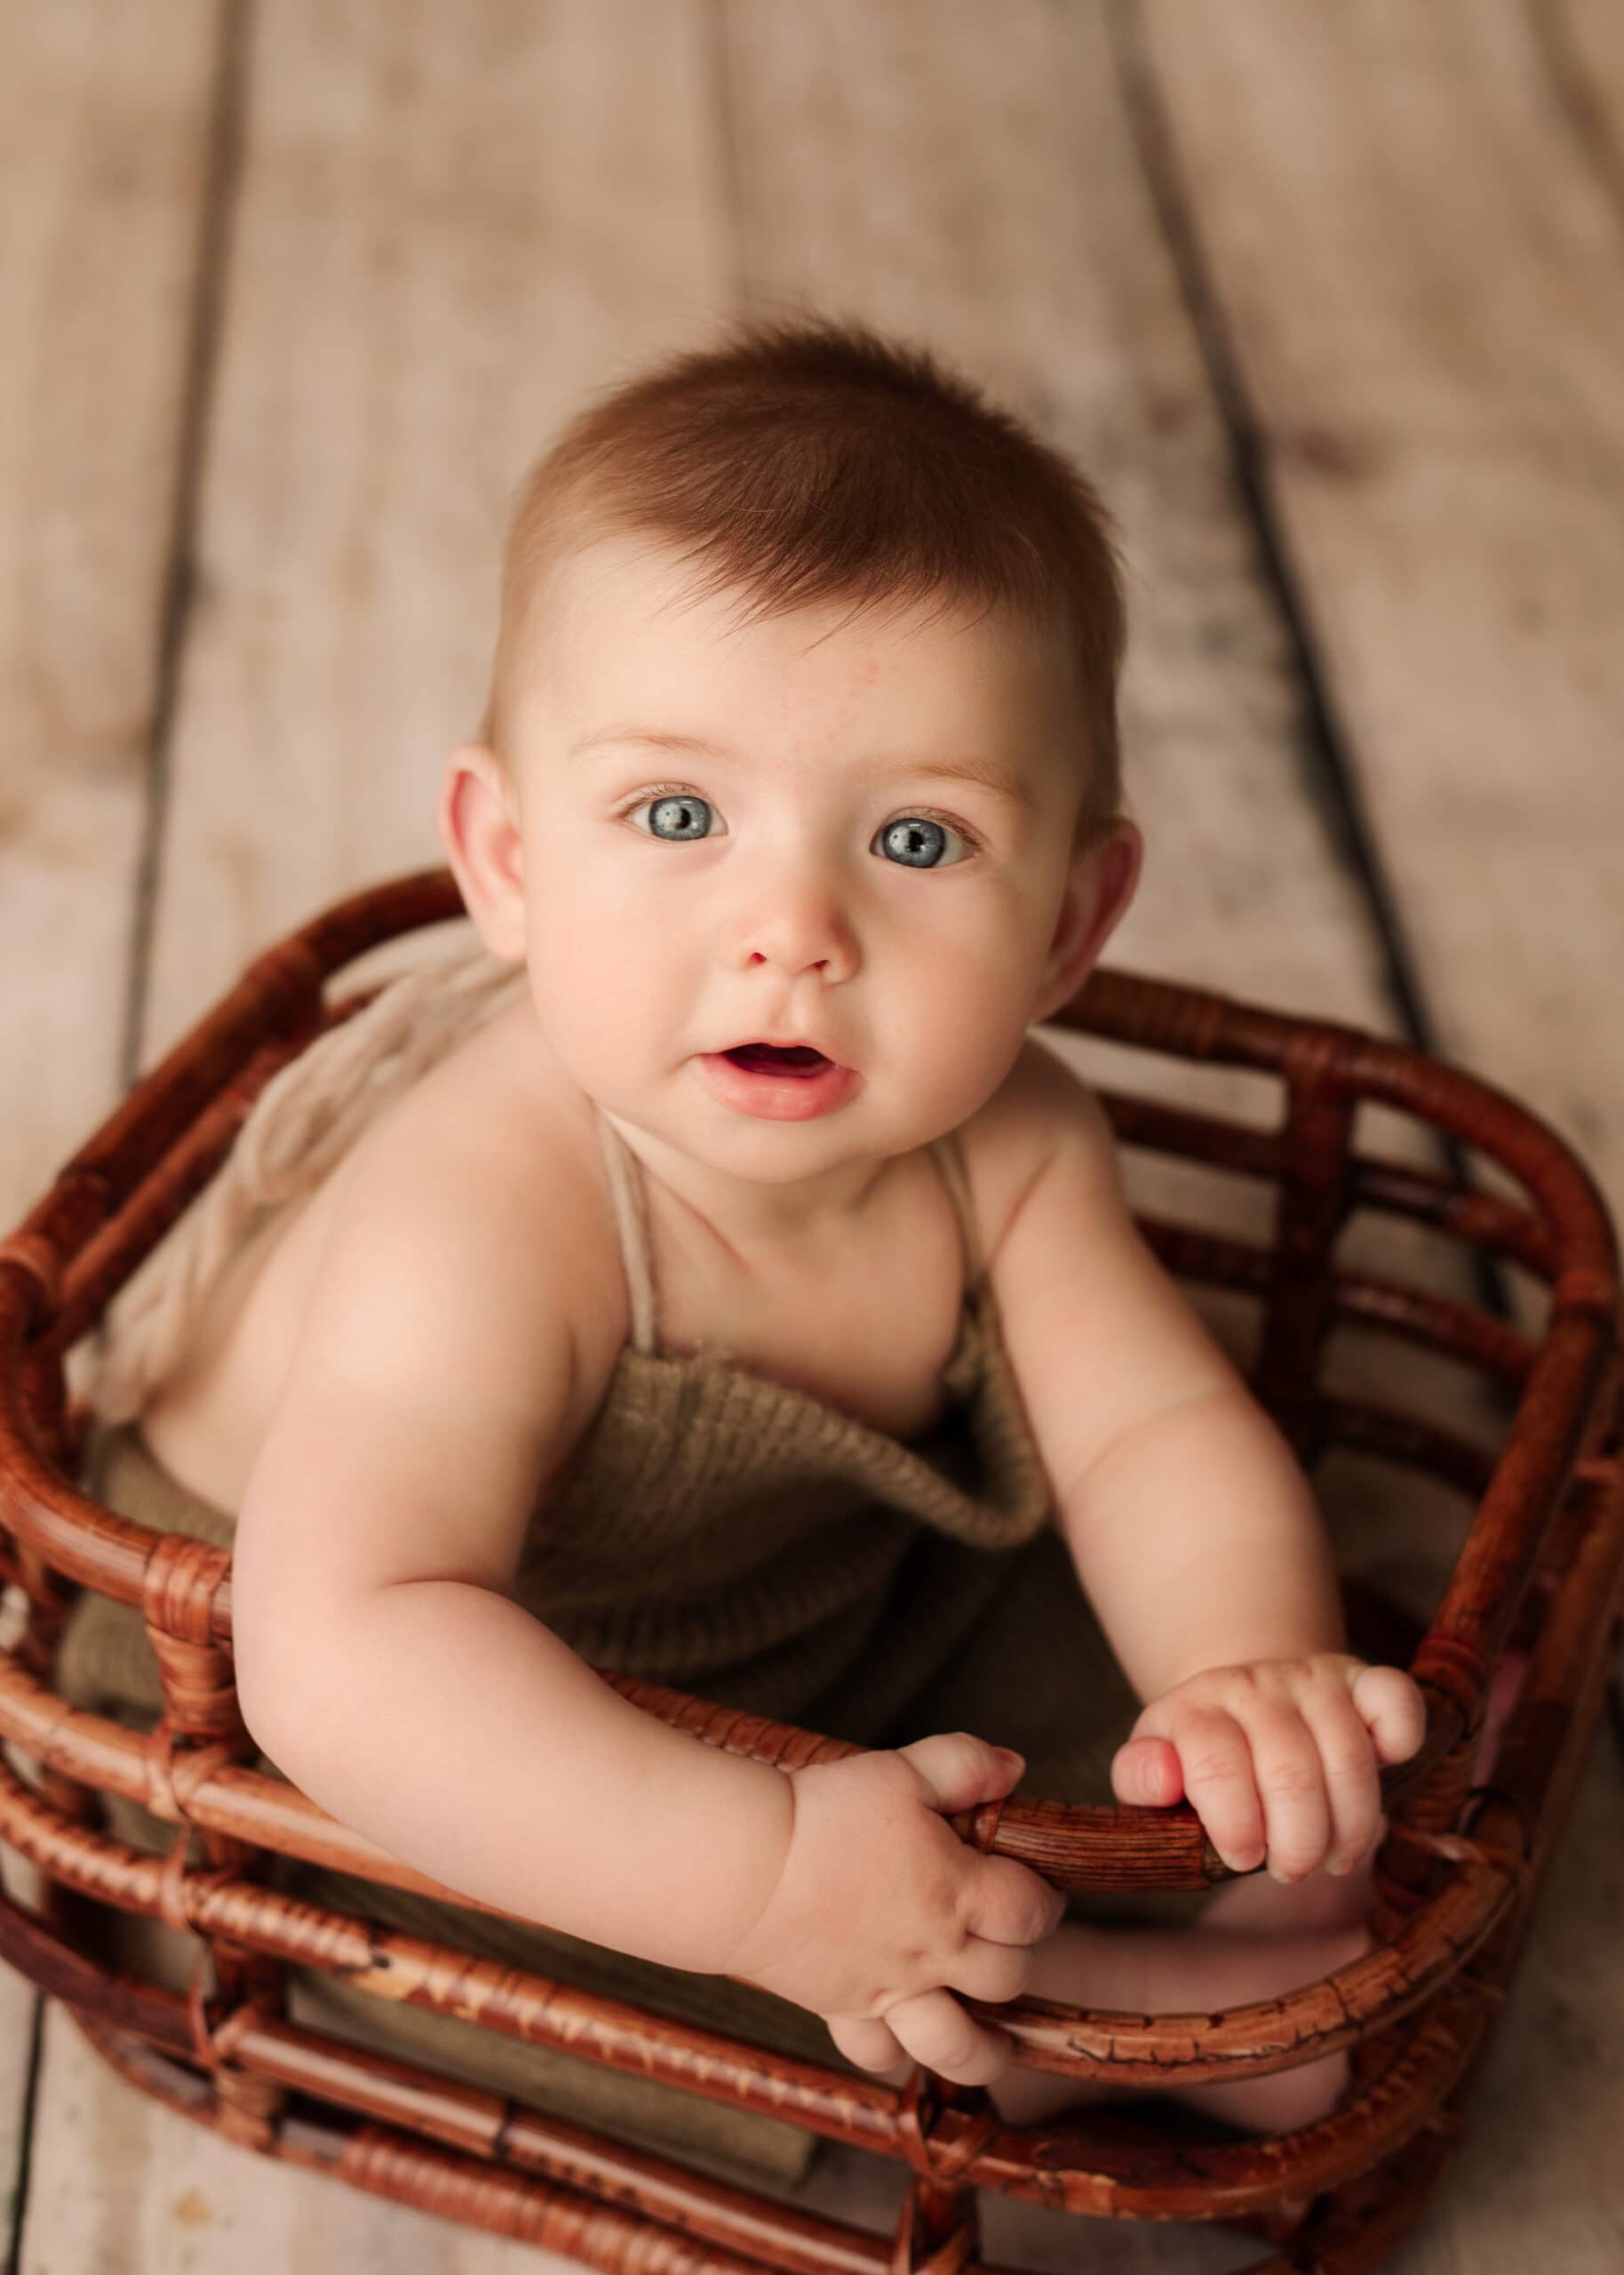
802	928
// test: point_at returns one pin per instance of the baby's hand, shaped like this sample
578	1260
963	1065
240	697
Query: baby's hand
1278	1758
881	1912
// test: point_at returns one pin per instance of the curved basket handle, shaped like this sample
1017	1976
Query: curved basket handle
1072	1844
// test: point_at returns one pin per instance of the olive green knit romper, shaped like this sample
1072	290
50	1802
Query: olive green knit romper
723	1534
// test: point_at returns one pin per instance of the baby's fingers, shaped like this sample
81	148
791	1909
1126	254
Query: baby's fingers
1390	1703
1348	1763
865	2042
934	2030
1216	1763
1006	1903
1146	1771
1290	1777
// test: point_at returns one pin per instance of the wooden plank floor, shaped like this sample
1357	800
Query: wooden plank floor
1330	299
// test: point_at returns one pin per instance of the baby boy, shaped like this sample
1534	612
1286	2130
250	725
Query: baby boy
797	795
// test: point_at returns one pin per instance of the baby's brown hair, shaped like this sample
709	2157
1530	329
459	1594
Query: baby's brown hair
808	460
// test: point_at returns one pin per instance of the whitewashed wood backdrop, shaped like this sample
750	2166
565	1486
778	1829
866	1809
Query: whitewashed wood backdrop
1328	294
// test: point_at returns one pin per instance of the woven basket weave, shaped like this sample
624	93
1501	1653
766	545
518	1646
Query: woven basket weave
1539	1575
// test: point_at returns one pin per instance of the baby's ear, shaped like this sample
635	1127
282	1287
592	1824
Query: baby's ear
477	814
1103	881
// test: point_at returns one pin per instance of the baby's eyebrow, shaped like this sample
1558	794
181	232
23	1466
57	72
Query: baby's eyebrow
986	772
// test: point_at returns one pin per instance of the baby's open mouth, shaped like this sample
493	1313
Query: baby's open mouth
769	1059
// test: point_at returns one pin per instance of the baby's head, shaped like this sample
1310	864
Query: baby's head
802	722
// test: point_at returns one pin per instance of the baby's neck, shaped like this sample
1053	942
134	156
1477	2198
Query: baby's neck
758	1225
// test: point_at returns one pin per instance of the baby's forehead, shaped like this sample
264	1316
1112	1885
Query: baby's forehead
623	582
628	629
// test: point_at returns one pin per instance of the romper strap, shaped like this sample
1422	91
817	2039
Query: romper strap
950	1160
625	1187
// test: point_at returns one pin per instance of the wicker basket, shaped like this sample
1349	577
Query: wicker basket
1539	1575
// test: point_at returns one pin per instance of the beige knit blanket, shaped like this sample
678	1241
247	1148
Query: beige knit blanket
301	1125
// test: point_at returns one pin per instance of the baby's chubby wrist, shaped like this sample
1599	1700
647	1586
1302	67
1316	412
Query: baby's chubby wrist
772	1838
743	1815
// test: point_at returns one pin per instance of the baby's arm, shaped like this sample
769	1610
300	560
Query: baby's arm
1198	1541
465	1738
1192	1528
380	1660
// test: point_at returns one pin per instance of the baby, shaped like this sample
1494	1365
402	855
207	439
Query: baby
796	799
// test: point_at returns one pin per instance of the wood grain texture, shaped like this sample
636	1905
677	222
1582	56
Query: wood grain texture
104	120
1420	270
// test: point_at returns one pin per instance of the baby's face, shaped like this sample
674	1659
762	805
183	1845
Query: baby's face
734	835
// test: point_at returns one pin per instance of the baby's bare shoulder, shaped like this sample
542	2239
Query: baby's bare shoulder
437	1381
1011	1140
478	1170
1082	1297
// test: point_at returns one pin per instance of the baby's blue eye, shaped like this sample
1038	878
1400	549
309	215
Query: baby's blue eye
916	839
681	808
679	818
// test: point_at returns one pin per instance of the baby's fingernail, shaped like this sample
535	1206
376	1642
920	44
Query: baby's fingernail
1009	1760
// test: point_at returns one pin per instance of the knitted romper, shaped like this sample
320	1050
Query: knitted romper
724	1535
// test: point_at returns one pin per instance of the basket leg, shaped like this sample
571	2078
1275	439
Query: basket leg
938	2229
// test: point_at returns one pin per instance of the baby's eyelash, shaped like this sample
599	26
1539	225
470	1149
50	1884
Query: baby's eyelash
686	790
